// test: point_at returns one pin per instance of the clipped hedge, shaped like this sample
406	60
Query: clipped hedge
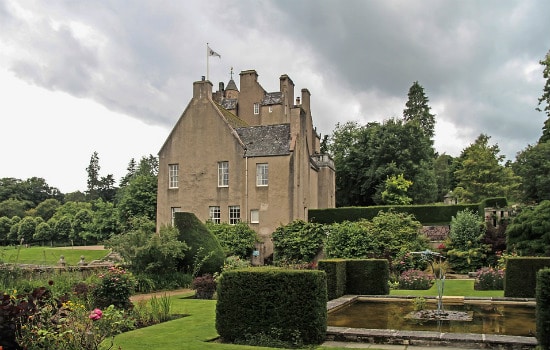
200	241
367	276
543	308
426	214
256	300
520	278
336	276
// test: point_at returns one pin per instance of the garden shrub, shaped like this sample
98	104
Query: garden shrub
203	245
543	308
415	280
336	276
289	305
367	276
520	277
114	288
488	278
298	241
237	239
204	286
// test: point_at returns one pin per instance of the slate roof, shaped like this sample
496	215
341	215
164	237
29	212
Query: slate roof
229	103
231	85
266	140
272	98
231	118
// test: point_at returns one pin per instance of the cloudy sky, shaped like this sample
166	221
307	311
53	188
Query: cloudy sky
114	76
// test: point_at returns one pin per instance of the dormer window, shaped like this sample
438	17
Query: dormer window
256	108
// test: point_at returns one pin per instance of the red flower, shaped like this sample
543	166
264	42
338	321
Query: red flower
96	314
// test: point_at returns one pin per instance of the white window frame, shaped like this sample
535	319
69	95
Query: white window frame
256	108
234	214
173	212
173	175
262	174
223	174
254	216
214	213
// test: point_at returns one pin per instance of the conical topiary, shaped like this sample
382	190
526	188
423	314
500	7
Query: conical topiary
200	241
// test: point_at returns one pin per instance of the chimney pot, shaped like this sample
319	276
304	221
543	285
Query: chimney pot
297	100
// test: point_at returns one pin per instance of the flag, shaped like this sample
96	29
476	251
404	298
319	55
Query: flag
213	53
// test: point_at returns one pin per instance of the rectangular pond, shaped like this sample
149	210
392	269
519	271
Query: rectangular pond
489	317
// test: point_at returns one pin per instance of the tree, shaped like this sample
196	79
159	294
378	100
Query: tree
130	172
443	170
418	111
82	230
481	174
5	226
105	221
63	228
467	251
14	207
545	98
47	208
93	181
529	232
396	190
236	240
27	228
138	198
533	166
43	232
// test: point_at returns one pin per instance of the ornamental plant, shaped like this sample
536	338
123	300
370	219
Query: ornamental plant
114	288
415	280
204	286
488	278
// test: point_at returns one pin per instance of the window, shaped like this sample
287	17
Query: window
173	170
256	108
254	216
234	214
223	174
174	210
261	174
270	109
214	214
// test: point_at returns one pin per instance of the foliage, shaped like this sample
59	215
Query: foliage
419	303
390	235
533	166
33	190
542	295
298	241
529	232
521	275
367	276
115	288
251	301
202	244
395	191
481	174
466	231
336	276
418	111
157	310
444	167
236	239
488	278
545	98
415	279
138	198
204	286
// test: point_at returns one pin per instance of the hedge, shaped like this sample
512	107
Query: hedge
336	276
200	241
520	278
254	301
543	308
367	276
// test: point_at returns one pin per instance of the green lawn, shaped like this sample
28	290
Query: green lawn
458	287
47	255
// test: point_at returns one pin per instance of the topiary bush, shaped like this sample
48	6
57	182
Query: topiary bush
256	303
543	308
336	276
520	277
204	248
367	276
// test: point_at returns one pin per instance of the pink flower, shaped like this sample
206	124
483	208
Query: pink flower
96	314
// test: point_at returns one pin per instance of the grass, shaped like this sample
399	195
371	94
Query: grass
47	255
458	287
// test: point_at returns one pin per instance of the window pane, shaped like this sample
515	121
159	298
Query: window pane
256	108
234	214
173	170
215	216
261	174
223	174
174	210
254	216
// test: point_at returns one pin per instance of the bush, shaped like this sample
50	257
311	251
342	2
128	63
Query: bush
520	277
203	245
115	288
204	286
415	280
298	241
336	276
237	239
367	276
292	303
488	278
543	308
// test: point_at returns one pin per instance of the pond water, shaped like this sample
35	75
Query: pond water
488	318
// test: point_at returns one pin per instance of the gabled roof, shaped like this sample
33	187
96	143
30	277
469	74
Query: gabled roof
232	119
272	98
266	140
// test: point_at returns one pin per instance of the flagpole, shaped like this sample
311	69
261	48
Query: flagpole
207	68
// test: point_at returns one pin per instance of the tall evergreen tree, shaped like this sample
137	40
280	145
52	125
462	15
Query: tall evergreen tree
93	181
418	111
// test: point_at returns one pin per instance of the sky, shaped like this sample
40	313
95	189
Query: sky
113	77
